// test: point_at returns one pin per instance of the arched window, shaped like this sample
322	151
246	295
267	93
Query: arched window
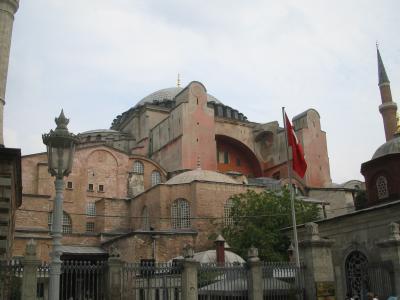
138	167
155	178
66	222
180	214
228	220
145	218
356	274
382	187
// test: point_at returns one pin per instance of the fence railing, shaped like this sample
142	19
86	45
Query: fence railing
83	280
11	273
282	280
149	280
222	281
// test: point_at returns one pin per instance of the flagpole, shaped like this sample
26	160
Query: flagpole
296	242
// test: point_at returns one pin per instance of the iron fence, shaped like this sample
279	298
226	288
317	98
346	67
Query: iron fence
42	281
11	273
149	280
82	280
228	281
283	281
380	277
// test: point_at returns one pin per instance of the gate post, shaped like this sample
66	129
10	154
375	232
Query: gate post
30	263
189	275
114	276
255	281
317	256
390	251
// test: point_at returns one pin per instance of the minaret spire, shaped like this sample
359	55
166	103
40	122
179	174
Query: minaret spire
382	76
388	108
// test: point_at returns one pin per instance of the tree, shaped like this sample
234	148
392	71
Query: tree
257	220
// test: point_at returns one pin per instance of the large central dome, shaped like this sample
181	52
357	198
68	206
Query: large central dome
168	94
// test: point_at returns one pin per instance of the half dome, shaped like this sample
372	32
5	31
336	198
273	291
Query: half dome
390	147
201	175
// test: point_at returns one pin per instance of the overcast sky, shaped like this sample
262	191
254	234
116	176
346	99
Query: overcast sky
98	58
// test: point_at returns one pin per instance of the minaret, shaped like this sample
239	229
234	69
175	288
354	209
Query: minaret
388	108
7	10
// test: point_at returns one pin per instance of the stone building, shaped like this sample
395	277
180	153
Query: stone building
162	176
360	250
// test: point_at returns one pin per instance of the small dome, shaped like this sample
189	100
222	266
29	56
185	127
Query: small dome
200	175
168	94
390	147
99	131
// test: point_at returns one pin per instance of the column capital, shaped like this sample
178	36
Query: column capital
10	6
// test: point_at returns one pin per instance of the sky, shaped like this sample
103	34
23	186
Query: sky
97	58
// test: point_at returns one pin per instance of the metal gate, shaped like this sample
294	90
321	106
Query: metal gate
149	280
83	280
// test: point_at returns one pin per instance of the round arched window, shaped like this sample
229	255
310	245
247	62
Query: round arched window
357	274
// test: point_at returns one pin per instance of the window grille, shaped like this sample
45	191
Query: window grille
89	226
180	214
228	220
138	167
66	222
356	273
155	178
381	187
145	218
91	209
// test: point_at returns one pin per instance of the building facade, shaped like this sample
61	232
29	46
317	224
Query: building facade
162	176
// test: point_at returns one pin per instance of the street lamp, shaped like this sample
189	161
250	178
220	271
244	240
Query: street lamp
60	152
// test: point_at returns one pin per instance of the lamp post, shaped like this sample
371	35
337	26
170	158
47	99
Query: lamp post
60	151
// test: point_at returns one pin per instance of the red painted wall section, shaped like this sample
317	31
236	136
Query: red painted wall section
240	159
198	139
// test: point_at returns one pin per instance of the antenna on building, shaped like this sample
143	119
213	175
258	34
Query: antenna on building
178	81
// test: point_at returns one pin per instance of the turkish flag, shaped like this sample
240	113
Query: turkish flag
299	164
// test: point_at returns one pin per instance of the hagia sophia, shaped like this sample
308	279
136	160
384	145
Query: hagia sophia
163	174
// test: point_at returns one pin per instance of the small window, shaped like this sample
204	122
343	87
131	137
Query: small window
276	175
155	178
66	222
91	209
89	226
180	214
90	187
238	161
69	185
101	188
226	157
382	187
138	167
228	220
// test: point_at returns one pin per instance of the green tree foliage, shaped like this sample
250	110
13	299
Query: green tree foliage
257	220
